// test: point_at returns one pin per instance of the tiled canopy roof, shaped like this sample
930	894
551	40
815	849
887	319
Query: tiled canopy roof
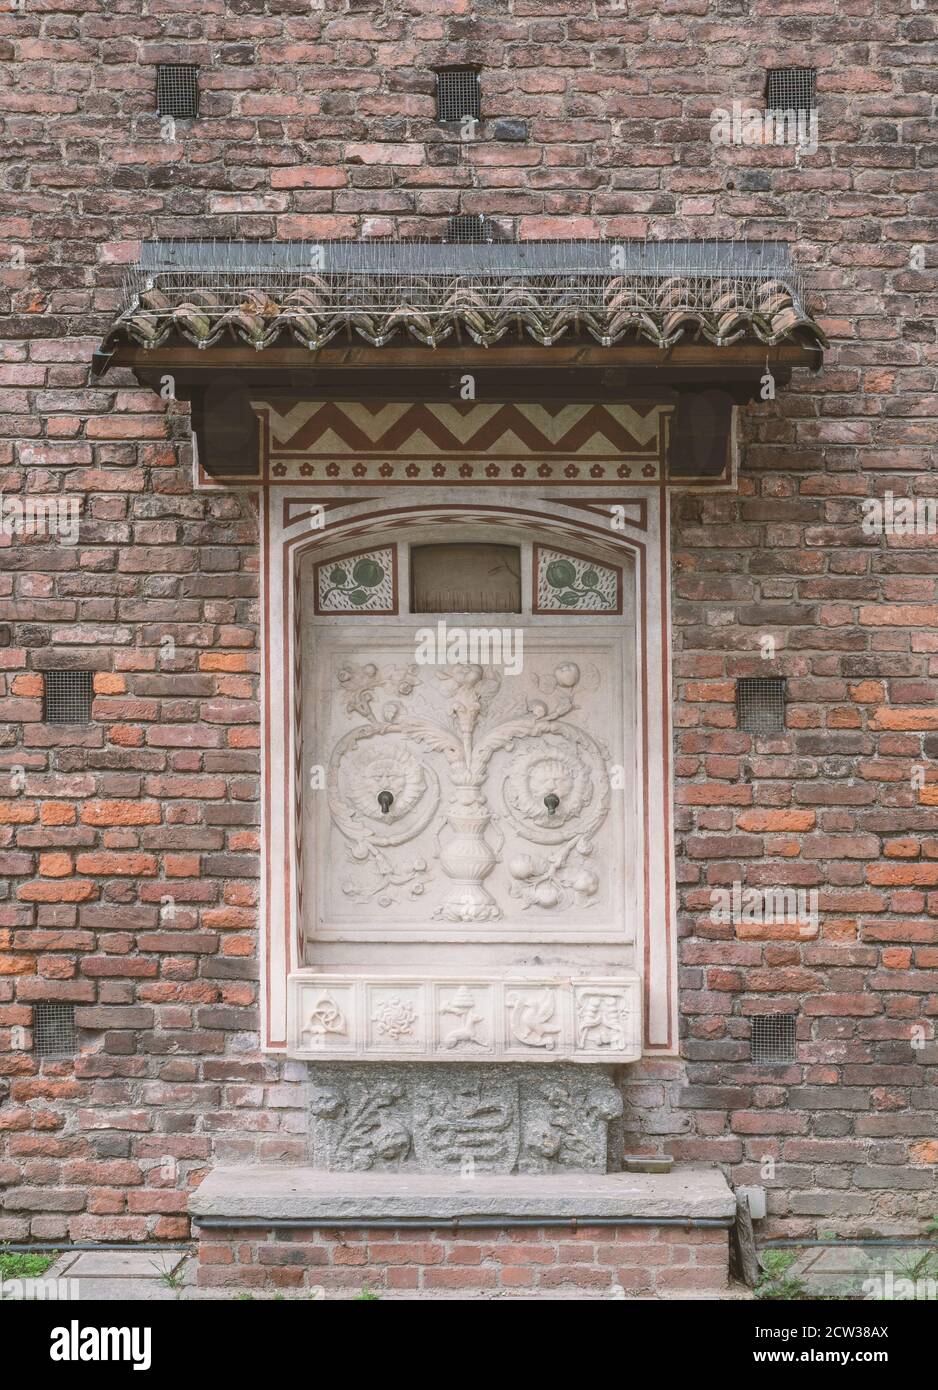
661	293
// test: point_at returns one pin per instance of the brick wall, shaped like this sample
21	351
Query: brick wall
319	122
593	1261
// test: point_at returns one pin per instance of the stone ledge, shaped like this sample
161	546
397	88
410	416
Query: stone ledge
256	1193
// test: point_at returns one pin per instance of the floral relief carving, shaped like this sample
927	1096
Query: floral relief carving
363	1127
369	761
568	1126
557	795
555	792
394	1018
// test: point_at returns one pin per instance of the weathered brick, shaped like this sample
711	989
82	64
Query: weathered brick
334	136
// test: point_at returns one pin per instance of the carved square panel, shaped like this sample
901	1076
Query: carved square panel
363	582
605	1019
568	583
464	1020
535	1020
328	1018
395	1020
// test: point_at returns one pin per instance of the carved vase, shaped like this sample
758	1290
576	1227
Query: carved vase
468	859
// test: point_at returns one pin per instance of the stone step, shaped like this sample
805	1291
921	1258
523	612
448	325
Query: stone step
327	1234
311	1194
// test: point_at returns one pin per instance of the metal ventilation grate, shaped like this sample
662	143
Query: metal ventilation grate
54	1030
760	704
458	94
67	697
773	1038
177	89
790	89
470	226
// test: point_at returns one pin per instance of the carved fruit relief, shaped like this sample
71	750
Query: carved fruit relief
444	775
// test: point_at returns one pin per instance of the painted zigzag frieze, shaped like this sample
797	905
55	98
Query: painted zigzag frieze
462	441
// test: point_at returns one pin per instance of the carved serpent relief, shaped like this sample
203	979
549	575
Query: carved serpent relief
384	790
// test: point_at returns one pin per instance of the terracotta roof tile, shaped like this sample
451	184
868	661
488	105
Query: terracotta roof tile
395	292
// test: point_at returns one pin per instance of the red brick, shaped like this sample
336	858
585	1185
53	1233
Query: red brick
334	136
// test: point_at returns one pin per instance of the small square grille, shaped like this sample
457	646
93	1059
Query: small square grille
760	704
469	226
177	89
773	1038
67	697
790	89
458	94
54	1030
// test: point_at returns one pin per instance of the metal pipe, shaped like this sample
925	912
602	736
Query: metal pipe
436	1223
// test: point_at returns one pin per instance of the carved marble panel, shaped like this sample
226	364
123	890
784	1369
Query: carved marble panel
464	1119
475	1019
329	1020
463	1018
459	796
395	1019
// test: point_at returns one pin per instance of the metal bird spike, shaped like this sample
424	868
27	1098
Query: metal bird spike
378	274
380	288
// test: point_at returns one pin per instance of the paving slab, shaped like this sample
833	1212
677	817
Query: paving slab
125	1264
844	1269
126	1290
